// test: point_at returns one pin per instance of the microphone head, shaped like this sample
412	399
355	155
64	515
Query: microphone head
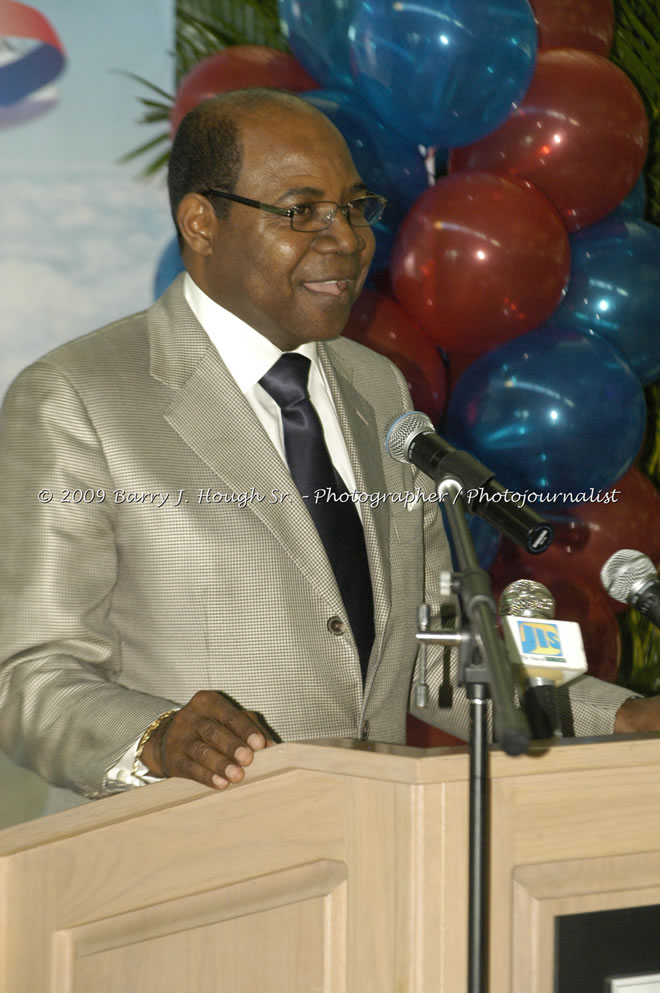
625	571
403	431
527	598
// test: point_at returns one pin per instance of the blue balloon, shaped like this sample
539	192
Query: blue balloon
613	290
388	163
317	33
168	267
634	205
552	412
444	72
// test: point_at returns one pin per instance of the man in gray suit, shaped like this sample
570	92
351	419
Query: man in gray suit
163	581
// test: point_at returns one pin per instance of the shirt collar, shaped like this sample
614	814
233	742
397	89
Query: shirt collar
247	354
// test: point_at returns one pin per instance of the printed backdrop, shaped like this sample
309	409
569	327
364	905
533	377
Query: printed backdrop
80	236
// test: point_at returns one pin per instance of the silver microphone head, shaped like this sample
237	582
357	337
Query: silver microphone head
527	598
403	431
625	572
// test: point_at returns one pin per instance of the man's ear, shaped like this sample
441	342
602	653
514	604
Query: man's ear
197	220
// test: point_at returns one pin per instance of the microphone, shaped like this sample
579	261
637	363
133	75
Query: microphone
630	577
545	653
412	438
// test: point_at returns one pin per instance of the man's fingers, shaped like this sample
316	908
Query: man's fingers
222	739
209	740
244	723
260	739
194	758
219	750
201	774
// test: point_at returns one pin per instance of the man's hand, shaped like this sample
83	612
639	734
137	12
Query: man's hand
638	715
209	740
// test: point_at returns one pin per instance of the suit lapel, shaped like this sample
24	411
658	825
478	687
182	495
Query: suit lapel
212	416
358	424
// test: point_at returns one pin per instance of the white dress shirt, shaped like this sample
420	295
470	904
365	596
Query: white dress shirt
248	355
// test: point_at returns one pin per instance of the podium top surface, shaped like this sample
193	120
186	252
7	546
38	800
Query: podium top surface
345	758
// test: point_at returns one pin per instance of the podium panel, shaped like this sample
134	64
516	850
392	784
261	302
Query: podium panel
545	893
290	927
333	868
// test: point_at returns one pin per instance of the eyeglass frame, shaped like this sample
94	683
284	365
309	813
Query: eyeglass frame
290	212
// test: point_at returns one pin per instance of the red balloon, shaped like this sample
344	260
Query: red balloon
421	735
458	362
580	136
576	600
587	536
480	259
380	323
235	68
585	24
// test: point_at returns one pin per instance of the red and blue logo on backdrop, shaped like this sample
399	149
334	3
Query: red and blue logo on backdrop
24	70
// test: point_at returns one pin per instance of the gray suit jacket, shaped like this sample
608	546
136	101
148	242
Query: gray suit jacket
117	603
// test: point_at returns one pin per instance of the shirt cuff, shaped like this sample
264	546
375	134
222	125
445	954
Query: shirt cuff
122	772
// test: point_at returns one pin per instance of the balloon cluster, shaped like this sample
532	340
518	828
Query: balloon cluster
513	250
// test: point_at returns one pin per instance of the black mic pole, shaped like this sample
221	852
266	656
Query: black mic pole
483	662
483	666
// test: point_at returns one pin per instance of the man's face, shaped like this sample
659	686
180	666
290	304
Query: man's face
291	286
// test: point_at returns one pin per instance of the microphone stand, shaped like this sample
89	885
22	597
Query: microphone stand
485	671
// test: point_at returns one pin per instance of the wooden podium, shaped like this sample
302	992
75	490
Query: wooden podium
334	868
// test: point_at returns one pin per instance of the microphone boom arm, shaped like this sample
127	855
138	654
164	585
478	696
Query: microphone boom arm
493	669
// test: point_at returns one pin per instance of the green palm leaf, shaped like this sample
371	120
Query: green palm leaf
202	28
637	51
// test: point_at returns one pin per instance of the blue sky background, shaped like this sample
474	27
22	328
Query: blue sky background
80	236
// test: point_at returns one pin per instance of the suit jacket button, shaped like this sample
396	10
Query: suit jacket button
336	625
364	731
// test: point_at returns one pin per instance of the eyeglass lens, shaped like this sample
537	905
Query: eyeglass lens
361	212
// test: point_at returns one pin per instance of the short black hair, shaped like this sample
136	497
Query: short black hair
207	151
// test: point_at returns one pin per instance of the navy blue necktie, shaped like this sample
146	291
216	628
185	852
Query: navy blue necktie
338	523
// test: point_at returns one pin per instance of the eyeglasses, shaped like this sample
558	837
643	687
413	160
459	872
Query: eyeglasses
362	212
